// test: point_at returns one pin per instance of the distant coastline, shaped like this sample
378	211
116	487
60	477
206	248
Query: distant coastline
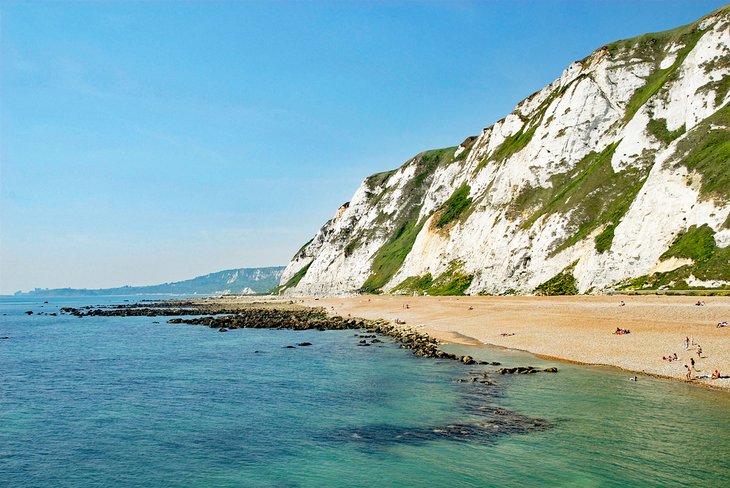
244	281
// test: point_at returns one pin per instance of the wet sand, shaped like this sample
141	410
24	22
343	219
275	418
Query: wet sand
577	328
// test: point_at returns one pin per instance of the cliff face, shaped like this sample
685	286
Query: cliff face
616	175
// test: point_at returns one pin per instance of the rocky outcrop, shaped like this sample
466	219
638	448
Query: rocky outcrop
604	179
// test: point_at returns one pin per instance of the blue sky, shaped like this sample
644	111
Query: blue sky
146	142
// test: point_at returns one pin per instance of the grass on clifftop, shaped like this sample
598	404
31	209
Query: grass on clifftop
653	48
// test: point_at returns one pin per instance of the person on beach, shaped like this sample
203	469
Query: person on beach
686	343
699	351
715	375
692	363
689	373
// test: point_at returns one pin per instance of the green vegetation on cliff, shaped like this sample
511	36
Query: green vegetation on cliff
653	48
710	263
453	281
454	206
658	128
391	255
389	258
409	204
591	194
294	280
706	150
697	244
563	283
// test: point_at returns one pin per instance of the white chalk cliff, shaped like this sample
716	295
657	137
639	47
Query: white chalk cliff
614	176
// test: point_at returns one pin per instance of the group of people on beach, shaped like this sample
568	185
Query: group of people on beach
692	365
620	331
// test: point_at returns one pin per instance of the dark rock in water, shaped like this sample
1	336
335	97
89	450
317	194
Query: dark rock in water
155	322
361	344
496	363
4	337
467	360
29	312
222	329
304	344
46	301
289	347
374	341
493	424
525	370
53	314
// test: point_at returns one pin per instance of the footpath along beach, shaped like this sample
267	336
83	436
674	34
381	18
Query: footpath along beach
575	328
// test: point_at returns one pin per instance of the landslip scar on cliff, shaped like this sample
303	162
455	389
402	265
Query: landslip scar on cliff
614	176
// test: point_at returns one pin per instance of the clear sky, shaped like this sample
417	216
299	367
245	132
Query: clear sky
146	142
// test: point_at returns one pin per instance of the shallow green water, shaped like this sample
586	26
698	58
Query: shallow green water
110	401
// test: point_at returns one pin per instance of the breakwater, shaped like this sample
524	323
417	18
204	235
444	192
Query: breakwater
265	315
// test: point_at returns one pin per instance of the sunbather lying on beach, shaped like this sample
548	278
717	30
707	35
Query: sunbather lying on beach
722	324
620	331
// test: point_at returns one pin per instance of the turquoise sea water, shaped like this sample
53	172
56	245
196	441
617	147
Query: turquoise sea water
121	401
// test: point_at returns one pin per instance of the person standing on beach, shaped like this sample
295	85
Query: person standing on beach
689	373
699	351
692	363
686	343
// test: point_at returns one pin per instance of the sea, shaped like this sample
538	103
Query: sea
134	401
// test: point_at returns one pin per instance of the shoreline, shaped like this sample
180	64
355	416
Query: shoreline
572	329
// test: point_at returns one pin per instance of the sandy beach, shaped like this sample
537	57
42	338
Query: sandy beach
575	328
